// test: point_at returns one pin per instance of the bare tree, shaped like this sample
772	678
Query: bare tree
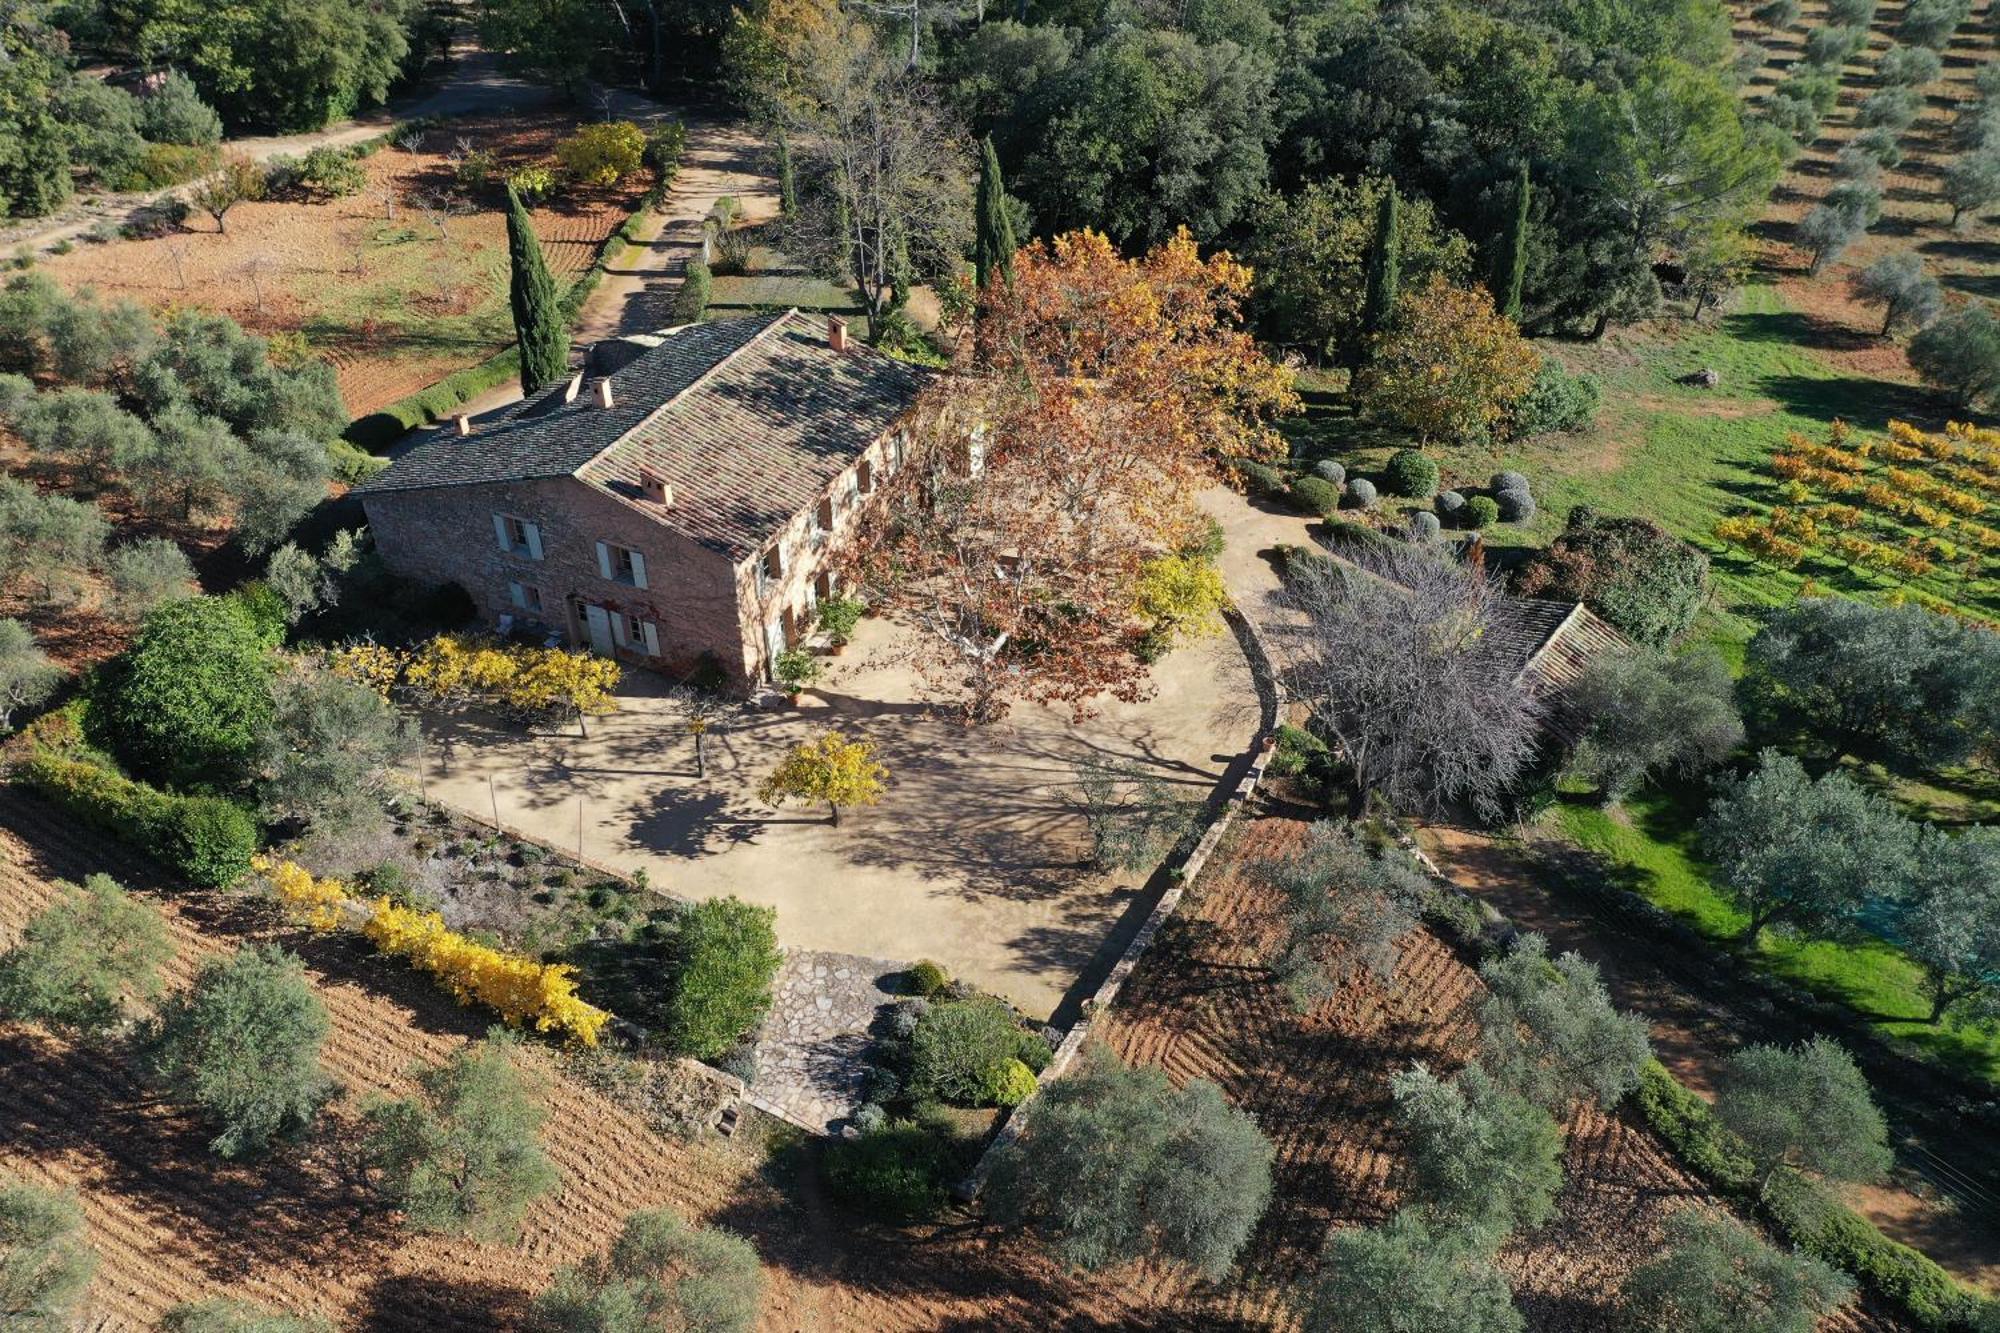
703	714
236	180
891	171
439	209
177	250
1396	655
256	268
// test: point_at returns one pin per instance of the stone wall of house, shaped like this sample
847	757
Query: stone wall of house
446	535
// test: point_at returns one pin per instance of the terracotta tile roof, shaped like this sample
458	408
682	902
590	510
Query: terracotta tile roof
748	420
1549	644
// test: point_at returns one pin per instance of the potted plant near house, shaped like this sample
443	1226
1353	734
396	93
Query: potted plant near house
838	616
795	669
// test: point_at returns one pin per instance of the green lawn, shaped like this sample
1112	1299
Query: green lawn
1650	845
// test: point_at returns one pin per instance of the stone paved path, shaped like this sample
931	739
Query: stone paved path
810	1054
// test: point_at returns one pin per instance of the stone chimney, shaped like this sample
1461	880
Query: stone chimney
655	486
604	392
836	333
573	388
462	424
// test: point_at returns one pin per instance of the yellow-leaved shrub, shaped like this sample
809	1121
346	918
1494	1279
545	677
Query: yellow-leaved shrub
316	902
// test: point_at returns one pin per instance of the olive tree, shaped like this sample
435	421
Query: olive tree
1971	182
1802	853
1117	1165
1948	919
1715	1276
1806	1107
1548	1030
27	677
145	573
1651	712
1899	284
324	752
44	1264
1406	1277
464	1156
1825	231
1392	650
83	958
662	1275
241	1048
1958	353
1349	908
1482	1158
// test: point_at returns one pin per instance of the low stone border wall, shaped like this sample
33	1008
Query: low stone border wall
1270	693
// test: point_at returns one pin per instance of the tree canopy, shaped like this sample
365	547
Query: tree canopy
84	958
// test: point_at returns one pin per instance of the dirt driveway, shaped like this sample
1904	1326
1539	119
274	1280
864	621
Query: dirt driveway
972	859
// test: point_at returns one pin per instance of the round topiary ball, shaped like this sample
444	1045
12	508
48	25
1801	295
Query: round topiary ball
1411	473
1515	506
1328	470
1481	512
1509	481
927	978
1008	1083
1362	492
1424	527
1450	506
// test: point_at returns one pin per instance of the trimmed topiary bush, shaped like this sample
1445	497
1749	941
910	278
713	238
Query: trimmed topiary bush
1450	506
1260	479
1329	471
1481	512
208	839
1508	481
1010	1083
928	978
1316	496
1558	402
1515	506
1362	492
1411	473
1424	527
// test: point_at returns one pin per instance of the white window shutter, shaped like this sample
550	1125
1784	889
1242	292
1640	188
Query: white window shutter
500	532
604	560
652	633
518	595
534	531
618	630
638	570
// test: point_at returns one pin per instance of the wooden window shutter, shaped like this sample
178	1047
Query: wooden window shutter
518	594
652	633
604	560
618	635
500	532
638	570
534	531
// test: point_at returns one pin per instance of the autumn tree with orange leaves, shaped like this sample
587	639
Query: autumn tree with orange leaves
1045	472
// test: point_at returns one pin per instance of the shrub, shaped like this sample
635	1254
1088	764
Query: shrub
1316	496
184	704
1450	505
927	978
1647	583
173	113
725	956
1830	47
332	173
1792	113
208	839
1909	66
44	1262
1825	1228
1411	473
1880	144
1424	527
1558	401
1481	512
1514	506
242	1048
1329	471
661	1274
1687	1123
464	1157
1261	479
838	615
1508	481
959	1044
1362	492
533	183
1714	1275
220	1315
898	1173
1008	1083
163	165
1295	750
1890	108
83	957
603	154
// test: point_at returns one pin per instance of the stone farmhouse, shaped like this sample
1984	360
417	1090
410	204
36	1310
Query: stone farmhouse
674	503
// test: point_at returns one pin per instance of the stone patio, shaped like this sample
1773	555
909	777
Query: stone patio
810	1052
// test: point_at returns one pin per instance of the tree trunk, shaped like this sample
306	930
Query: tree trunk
836	813
700	757
1888	318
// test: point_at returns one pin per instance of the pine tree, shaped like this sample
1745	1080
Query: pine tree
993	244
1385	263
788	180
1511	264
538	321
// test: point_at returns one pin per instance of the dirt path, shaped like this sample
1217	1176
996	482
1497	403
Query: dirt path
1694	1030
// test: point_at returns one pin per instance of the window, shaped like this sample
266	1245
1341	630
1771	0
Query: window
639	636
517	536
526	597
770	568
621	564
864	478
823	517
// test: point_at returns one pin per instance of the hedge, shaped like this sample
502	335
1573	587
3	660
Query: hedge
1803	1213
1316	496
206	839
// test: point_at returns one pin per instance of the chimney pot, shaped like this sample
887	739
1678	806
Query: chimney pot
655	486
575	387
462	424
604	392
836	333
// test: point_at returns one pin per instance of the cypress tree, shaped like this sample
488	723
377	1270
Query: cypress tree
1511	264
1385	263
788	181
993	244
539	328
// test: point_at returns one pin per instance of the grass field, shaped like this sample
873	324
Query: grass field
1651	841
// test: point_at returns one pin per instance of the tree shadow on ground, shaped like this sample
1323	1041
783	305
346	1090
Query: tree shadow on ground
420	1303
